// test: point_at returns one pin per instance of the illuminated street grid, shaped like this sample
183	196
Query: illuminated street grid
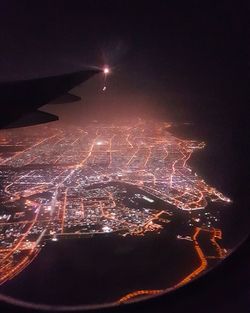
71	181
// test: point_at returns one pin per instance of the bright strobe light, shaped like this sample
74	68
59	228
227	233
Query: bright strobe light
106	70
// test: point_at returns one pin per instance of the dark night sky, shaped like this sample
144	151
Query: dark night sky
161	49
170	41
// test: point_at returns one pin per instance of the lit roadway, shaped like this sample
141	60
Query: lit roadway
219	253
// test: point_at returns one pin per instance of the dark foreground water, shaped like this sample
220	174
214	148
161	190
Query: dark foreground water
102	269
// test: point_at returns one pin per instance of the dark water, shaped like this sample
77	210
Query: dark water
102	269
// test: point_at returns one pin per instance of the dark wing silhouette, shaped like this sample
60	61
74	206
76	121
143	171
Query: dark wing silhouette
17	98
66	98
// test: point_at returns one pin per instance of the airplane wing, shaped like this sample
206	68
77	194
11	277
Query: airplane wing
17	98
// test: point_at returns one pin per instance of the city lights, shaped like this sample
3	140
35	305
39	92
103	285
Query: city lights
77	181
